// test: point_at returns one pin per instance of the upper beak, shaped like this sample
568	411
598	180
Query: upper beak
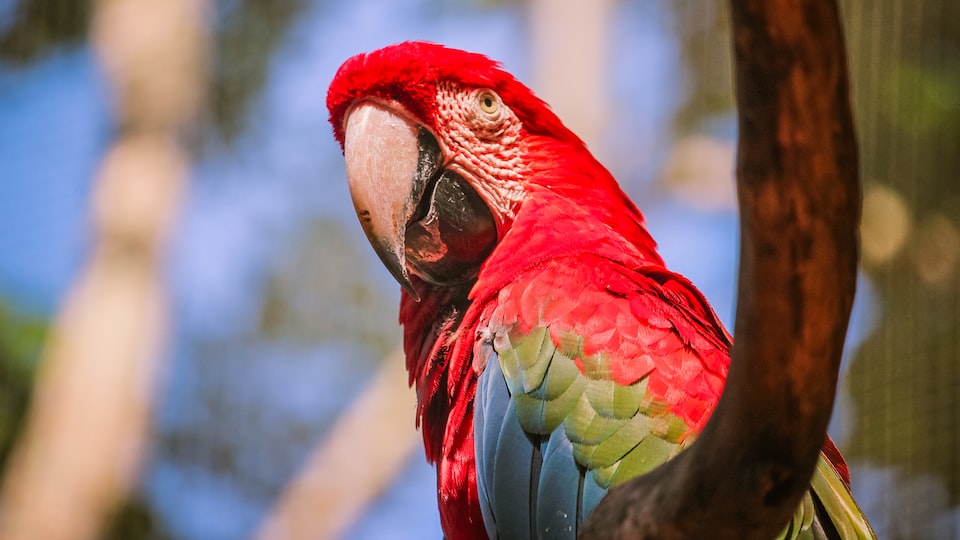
389	161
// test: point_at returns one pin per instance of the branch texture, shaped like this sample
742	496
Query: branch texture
799	196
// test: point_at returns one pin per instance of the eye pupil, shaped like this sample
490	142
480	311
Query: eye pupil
488	102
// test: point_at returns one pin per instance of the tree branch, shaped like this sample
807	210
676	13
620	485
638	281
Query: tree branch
800	205
365	449
88	424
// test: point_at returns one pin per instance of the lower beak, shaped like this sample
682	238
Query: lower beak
389	161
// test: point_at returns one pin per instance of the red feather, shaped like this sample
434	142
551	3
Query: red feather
409	73
576	240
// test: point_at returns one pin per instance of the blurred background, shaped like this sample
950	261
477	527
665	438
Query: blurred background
279	315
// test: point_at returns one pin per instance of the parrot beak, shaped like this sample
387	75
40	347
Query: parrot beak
389	161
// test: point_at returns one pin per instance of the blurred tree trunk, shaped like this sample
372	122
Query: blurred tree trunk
799	196
87	427
570	56
362	453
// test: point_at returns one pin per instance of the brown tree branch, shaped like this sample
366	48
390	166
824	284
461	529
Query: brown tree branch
367	447
799	198
88	424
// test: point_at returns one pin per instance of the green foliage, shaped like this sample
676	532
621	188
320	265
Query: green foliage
703	29
20	340
247	37
135	520
40	25
906	96
935	100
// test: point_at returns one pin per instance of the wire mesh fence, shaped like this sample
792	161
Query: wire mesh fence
279	315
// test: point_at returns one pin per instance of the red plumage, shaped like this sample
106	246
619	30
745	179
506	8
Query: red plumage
409	73
575	238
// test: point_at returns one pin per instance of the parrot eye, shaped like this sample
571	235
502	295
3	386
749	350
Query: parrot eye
488	102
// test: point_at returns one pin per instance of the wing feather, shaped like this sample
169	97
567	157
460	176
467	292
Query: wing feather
608	372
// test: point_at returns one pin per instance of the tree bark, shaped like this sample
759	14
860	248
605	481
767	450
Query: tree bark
799	197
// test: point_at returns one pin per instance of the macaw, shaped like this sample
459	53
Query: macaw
554	355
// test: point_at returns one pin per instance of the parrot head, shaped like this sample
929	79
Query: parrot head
441	147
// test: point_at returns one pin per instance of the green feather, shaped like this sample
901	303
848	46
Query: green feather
534	353
649	453
615	447
585	427
596	434
838	502
596	366
571	344
801	526
617	431
626	399
544	382
557	380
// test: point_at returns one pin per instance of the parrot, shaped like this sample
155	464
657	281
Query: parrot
553	354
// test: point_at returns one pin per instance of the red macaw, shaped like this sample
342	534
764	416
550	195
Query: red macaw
553	354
